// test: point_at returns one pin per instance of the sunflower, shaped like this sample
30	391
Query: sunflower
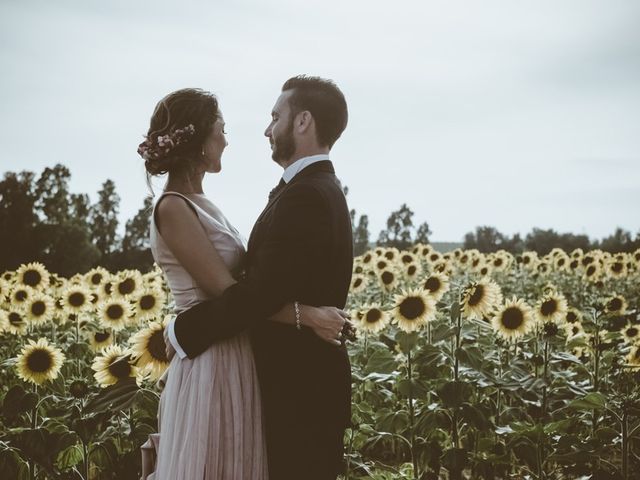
530	260
76	299
19	295
615	305
39	308
572	316
485	271
633	358
617	268
382	264
39	362
479	299
8	276
561	263
412	270
391	254
413	309
436	285
388	279
112	365
572	330
127	284
149	349
592	272
552	307
16	321
631	334
33	275
4	290
100	339
407	257
358	284
4	320
513	319
97	276
114	313
372	318
149	303
367	258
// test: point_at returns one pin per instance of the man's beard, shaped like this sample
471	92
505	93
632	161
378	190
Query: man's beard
284	146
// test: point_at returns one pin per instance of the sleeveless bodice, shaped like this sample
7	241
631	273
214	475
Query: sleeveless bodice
225	238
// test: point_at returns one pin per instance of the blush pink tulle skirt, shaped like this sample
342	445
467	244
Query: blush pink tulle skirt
210	418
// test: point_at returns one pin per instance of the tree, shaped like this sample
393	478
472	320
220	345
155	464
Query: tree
620	241
399	229
136	251
486	239
52	194
104	220
18	219
422	235
361	236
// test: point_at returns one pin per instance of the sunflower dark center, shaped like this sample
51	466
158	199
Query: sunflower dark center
20	295
15	318
96	278
574	264
358	269
561	262
32	278
39	361
120	368
373	315
387	278
77	299
412	308
412	270
432	284
497	262
434	257
367	258
571	317
617	267
464	258
632	332
115	312
389	255
526	260
591	270
126	286
157	347
512	318
147	302
357	283
407	259
38	308
382	264
549	307
101	336
477	295
614	304
108	288
484	270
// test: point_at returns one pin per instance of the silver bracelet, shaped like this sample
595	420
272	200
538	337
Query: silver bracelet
296	307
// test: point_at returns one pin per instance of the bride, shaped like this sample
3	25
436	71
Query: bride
209	417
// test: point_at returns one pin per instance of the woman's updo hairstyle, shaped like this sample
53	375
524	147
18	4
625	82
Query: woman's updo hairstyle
184	118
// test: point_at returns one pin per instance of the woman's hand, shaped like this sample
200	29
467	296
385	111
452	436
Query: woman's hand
329	323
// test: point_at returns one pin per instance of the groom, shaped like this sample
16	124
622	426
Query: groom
300	249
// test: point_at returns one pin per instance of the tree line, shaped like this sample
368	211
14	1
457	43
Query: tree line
41	220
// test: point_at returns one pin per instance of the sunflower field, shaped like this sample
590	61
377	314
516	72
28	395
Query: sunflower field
466	366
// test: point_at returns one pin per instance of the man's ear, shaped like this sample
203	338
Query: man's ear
303	121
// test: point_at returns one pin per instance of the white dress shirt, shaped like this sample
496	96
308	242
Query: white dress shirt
289	172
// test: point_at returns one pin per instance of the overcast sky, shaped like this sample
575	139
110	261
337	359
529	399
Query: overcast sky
511	114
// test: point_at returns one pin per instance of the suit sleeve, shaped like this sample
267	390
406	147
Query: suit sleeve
299	228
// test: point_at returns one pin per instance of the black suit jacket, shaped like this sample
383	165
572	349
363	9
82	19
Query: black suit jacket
300	249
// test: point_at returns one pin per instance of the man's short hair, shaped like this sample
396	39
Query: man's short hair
324	100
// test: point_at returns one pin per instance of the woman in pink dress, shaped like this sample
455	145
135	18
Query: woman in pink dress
209	417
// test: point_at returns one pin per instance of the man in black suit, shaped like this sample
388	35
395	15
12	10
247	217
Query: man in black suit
300	250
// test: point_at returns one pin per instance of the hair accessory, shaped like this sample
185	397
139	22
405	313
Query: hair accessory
152	149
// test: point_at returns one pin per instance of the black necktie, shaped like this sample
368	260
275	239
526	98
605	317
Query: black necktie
277	188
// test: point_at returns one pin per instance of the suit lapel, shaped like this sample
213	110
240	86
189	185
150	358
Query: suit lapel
321	166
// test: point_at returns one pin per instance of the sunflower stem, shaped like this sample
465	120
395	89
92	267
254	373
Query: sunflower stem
414	459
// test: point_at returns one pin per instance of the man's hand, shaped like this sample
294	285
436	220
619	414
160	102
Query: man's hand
170	351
